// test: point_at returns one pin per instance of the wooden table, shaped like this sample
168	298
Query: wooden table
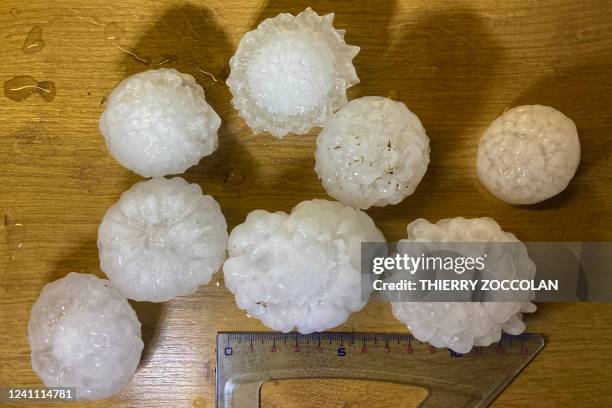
456	64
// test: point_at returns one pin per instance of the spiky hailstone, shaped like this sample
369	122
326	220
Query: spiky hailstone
462	325
83	333
372	152
291	73
301	269
162	239
528	154
158	123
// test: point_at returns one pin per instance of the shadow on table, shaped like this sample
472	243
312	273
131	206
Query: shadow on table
150	315
440	63
191	39
83	259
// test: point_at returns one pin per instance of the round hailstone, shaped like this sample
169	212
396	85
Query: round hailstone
300	269
83	333
162	239
373	151
158	123
528	154
291	73
462	325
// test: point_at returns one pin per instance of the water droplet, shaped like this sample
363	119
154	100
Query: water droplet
234	178
34	42
137	57
46	89
113	32
22	86
15	12
207	76
168	59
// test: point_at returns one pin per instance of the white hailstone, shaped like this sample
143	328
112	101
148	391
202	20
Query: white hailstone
291	73
301	269
158	123
528	154
462	325
83	333
373	151
162	239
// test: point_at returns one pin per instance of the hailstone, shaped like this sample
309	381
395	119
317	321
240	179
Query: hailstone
462	325
528	154
372	152
291	73
83	333
158	123
162	239
301	269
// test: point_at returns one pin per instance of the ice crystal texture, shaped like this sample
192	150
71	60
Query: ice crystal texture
372	152
301	269
528	154
83	333
462	325
291	73
158	123
162	239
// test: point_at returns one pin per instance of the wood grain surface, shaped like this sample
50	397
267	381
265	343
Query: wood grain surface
456	64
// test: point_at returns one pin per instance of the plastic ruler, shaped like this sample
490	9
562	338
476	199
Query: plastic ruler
246	360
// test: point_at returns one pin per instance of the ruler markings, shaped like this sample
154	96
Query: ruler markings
297	340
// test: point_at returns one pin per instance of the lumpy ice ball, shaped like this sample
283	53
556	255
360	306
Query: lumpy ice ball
372	152
462	325
301	269
291	73
528	154
158	123
83	333
162	239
